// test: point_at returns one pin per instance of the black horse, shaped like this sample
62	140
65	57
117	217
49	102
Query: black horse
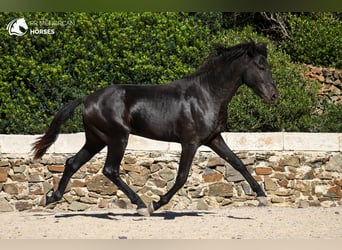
191	111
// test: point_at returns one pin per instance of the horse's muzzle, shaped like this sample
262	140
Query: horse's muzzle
274	98
271	98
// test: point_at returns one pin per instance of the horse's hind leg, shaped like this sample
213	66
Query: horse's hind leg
111	170
221	148
71	166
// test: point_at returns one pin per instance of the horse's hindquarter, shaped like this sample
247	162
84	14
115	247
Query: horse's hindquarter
104	111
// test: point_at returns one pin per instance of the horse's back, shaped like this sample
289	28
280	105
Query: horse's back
147	110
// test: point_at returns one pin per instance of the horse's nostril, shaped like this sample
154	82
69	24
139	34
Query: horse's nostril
274	97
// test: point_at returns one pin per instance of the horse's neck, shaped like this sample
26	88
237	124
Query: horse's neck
222	86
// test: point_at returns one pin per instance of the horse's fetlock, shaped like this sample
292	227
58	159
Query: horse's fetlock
57	195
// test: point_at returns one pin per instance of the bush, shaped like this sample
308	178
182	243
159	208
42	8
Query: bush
315	39
39	73
330	120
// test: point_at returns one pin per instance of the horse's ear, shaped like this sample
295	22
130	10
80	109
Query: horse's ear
251	49
257	49
262	48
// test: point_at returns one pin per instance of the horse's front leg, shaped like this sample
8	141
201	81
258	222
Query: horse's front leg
187	155
221	148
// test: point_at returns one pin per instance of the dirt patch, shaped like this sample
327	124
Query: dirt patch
228	223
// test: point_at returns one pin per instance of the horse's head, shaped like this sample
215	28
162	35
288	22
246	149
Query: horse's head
257	74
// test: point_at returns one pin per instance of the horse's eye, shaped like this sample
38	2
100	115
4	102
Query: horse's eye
261	66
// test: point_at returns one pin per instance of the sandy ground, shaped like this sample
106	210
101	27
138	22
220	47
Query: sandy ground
227	223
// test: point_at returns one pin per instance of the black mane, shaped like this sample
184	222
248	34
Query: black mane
222	54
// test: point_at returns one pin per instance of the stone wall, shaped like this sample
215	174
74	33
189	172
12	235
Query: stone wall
290	178
331	84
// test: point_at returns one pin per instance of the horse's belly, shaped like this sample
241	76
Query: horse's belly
156	130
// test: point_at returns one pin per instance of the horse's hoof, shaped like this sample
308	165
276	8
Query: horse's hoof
262	201
151	208
143	211
146	211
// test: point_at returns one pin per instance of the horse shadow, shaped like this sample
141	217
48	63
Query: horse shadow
166	215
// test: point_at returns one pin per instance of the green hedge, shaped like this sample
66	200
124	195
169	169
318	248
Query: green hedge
315	38
39	73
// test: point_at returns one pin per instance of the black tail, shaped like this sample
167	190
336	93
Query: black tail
43	143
